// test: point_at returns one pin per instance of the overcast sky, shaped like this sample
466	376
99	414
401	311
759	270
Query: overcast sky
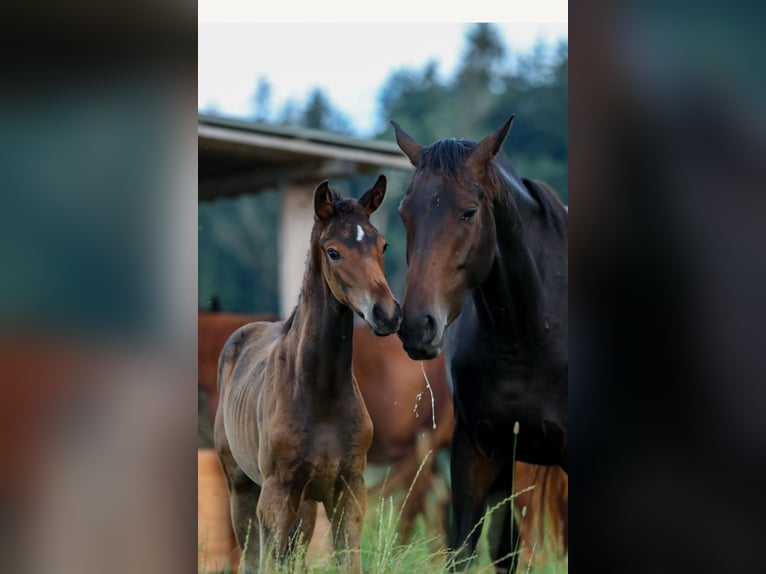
349	61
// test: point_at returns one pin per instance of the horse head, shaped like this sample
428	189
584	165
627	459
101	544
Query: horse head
448	215
352	255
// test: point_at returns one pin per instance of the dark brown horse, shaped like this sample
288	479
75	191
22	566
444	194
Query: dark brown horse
292	428
487	256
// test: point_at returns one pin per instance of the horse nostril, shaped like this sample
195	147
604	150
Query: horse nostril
429	328
377	314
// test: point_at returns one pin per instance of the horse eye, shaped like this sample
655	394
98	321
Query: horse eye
333	254
385	247
468	214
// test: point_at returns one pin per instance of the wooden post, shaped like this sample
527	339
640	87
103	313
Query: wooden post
297	219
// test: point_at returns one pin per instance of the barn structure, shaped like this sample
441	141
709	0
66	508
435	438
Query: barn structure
239	157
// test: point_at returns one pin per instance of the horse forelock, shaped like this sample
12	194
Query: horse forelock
448	157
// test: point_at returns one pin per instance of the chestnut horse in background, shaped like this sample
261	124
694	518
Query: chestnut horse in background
487	257
405	426
292	428
213	329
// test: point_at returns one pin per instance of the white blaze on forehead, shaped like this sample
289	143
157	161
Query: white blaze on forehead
359	232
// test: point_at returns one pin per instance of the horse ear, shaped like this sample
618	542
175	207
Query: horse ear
488	148
373	197
409	146
323	201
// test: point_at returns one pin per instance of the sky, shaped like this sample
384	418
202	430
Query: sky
349	61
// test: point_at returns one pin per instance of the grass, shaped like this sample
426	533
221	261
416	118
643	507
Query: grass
383	553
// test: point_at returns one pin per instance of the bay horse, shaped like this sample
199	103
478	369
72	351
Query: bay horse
292	428
389	382
487	256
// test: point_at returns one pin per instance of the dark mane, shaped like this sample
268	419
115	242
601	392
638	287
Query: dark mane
552	209
447	158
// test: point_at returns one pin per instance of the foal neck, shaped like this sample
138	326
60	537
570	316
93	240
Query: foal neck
322	329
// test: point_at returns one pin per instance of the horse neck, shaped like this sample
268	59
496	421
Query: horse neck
511	298
322	330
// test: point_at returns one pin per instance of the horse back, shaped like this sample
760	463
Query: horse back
253	340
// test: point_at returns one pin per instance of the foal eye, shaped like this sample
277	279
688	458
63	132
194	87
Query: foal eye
385	247
468	214
333	254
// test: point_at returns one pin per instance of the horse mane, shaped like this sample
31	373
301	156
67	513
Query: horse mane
447	157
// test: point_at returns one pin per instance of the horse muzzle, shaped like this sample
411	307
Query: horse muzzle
384	323
421	336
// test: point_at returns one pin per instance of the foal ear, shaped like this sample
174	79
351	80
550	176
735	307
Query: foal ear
488	148
373	197
323	201
409	146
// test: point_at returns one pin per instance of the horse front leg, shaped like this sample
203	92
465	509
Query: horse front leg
301	532
503	533
277	510
243	500
244	495
472	479
346	512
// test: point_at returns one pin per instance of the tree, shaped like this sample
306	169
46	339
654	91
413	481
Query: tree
419	100
261	100
478	78
320	114
481	60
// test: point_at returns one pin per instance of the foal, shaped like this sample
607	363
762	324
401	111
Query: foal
292	428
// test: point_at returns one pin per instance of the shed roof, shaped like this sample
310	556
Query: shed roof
237	156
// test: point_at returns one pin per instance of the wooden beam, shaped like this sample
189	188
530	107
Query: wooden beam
261	178
305	148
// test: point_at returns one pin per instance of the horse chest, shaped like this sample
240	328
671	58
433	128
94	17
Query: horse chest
492	399
485	388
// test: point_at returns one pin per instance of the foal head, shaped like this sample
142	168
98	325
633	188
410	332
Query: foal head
350	251
448	215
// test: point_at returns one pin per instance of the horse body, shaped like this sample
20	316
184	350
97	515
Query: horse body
291	428
487	254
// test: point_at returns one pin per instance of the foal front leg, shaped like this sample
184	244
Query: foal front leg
346	512
277	509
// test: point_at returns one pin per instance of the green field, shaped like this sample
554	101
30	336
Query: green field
383	553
